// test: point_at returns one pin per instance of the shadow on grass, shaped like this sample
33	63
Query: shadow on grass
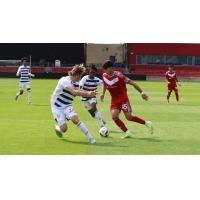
152	139
115	132
190	105
106	144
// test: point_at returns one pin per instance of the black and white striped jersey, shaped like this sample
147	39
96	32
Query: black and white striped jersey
61	97
89	84
24	73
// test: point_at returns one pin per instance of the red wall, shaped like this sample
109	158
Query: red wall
170	49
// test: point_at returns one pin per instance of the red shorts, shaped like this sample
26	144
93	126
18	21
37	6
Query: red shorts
172	87
125	106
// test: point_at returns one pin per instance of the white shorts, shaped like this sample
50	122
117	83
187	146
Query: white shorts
22	85
88	103
60	115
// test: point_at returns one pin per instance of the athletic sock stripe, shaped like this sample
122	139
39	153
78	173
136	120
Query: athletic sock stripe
79	124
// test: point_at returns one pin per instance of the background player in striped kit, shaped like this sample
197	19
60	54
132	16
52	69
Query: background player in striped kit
61	102
24	72
89	83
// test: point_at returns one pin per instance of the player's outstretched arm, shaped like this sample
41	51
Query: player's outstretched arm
137	87
81	93
31	75
18	71
178	81
103	92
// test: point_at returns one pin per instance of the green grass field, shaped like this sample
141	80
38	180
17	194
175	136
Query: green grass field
28	129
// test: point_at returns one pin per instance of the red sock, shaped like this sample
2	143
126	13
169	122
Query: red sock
168	95
120	124
137	119
177	96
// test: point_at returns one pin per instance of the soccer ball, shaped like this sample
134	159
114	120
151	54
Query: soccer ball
104	132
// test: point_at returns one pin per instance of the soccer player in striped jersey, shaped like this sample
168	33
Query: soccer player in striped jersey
62	99
89	83
24	72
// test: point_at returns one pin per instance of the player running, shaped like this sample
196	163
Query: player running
172	81
115	82
24	72
61	102
90	83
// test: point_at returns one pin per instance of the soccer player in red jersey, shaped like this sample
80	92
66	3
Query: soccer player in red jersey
115	82
172	81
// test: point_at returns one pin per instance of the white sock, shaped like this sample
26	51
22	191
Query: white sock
99	118
29	96
84	129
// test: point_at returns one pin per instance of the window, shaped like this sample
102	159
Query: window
197	60
168	60
176	60
190	60
150	59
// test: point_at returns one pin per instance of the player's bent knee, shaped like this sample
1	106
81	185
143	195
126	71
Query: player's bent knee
128	117
115	118
63	128
75	119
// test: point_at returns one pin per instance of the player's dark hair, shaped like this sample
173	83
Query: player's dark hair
108	64
24	59
93	67
171	66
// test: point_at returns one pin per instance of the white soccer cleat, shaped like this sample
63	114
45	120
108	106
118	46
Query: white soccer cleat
58	132
92	141
149	125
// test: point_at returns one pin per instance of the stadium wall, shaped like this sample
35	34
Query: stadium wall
98	53
66	52
169	49
54	73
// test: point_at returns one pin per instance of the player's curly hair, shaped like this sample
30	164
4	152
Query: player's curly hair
77	70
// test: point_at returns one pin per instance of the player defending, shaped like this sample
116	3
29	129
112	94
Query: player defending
24	72
90	83
115	82
61	102
172	81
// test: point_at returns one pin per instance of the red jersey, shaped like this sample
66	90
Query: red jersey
116	85
171	78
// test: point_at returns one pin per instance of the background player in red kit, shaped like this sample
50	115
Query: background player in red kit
172	81
115	82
